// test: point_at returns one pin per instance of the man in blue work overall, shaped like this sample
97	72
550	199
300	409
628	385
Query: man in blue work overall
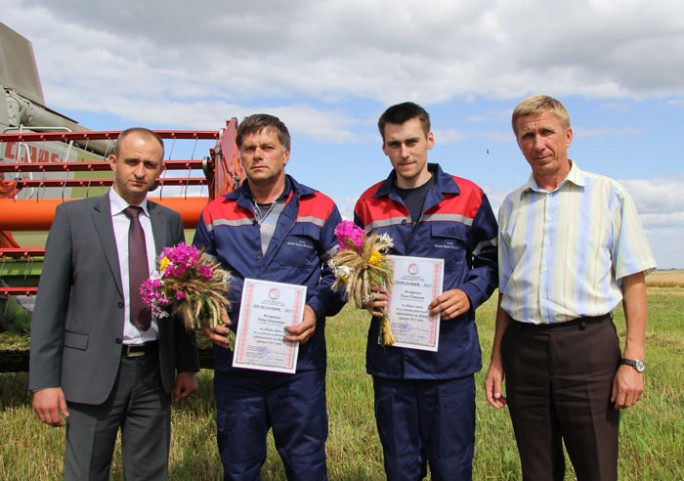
425	401
272	228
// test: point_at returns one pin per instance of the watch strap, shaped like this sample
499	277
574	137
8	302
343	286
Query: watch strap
638	364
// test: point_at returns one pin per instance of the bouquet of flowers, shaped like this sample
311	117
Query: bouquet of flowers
194	286
361	266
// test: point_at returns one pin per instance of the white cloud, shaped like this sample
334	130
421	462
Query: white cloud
327	50
448	136
606	132
660	203
658	197
664	220
346	206
194	64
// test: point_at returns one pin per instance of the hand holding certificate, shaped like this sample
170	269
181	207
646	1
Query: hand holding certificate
417	281
266	309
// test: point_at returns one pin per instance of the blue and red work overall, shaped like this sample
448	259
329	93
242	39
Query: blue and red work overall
425	401
250	402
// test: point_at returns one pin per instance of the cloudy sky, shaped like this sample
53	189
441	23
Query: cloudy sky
328	68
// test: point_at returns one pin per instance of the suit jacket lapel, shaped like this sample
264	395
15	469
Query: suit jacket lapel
159	231
102	218
158	221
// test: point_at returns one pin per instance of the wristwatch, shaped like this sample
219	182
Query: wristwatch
638	364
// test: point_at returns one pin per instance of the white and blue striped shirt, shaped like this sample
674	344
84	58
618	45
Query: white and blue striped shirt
562	254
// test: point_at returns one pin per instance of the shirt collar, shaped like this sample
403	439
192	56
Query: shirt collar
575	176
244	192
281	198
118	204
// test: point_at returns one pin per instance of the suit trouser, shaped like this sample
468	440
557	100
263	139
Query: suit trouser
426	422
558	385
248	403
139	407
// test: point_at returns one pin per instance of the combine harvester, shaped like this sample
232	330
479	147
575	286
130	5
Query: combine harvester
47	158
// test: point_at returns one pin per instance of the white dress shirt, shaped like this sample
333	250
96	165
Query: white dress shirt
121	223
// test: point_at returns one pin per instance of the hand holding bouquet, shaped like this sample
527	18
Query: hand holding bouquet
361	266
193	286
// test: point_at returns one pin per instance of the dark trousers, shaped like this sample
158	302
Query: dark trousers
139	407
422	423
558	385
248	403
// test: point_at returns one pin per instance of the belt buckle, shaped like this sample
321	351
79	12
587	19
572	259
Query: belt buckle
130	353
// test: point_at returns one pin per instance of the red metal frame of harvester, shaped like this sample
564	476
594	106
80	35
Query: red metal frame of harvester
222	173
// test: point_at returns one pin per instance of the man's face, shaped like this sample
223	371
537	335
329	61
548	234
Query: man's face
137	165
407	147
544	142
263	157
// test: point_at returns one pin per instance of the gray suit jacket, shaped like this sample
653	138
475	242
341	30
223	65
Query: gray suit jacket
77	324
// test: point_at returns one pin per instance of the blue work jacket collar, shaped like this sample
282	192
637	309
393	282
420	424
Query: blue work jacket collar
243	196
443	184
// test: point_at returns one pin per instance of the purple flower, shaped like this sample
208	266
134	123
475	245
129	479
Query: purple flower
180	295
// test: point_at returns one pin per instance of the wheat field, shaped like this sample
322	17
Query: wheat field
652	432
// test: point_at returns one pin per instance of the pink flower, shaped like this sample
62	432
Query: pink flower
182	258
349	235
205	272
175	282
153	296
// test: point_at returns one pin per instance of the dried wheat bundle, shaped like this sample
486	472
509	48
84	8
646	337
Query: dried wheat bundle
361	266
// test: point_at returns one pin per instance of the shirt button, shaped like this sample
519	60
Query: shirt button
257	257
118	340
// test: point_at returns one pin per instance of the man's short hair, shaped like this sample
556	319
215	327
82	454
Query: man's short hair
537	105
400	113
254	124
138	130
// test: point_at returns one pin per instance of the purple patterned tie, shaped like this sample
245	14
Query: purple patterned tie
137	268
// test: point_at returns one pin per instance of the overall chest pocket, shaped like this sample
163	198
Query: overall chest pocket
448	241
300	247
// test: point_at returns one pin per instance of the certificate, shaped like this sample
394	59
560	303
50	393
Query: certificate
265	310
417	281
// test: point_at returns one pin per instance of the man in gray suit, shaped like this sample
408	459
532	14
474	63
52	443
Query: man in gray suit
96	360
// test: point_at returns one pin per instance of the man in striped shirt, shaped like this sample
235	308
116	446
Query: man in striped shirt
571	247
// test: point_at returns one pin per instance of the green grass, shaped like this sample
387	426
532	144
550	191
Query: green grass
651	443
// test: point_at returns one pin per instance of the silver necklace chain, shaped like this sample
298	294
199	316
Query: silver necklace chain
262	217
